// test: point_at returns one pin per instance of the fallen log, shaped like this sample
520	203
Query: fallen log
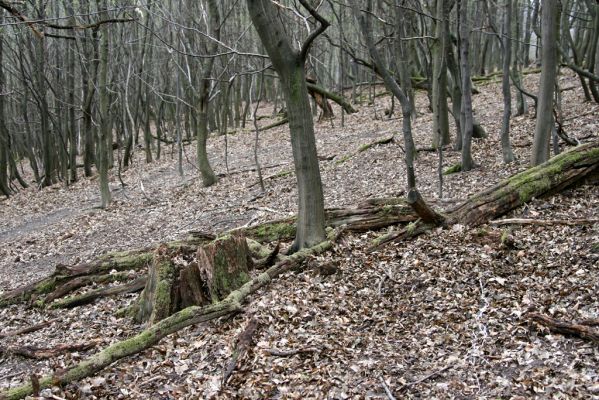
28	329
244	340
314	89
565	170
93	295
565	328
101	270
179	320
40	353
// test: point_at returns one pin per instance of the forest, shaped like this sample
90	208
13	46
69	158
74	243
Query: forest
327	199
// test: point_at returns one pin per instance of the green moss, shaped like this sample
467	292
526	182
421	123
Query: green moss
343	159
482	232
283	174
273	232
537	180
453	169
411	228
46	286
505	235
595	247
364	147
387	209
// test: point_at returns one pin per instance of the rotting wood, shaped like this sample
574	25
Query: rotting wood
181	319
93	295
565	170
424	211
544	222
28	329
244	340
81	281
565	328
220	267
40	353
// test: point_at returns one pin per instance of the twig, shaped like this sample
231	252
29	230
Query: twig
28	329
289	353
523	221
387	390
435	373
565	328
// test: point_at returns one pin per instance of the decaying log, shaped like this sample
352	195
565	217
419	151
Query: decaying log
370	215
39	353
221	266
244	340
545	222
28	329
101	270
558	173
565	328
91	296
424	211
153	334
81	281
565	170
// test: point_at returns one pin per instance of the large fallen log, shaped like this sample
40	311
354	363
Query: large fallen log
181	319
377	214
565	170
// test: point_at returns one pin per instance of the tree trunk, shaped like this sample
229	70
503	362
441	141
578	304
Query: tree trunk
289	64
506	147
466	120
540	147
439	78
208	176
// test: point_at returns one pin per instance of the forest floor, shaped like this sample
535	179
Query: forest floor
441	316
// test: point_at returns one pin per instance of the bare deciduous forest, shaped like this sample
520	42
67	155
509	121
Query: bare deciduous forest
294	199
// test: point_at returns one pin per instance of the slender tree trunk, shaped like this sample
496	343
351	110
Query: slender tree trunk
392	86
550	18
506	147
439	78
466	120
208	176
4	154
104	131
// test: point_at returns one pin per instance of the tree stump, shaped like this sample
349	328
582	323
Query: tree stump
177	280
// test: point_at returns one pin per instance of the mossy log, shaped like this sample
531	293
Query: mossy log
315	90
219	268
65	279
92	295
560	172
179	320
565	170
369	215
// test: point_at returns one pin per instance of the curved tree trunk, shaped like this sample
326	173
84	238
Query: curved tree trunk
208	176
289	64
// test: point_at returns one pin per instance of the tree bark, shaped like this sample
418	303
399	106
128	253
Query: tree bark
289	64
540	147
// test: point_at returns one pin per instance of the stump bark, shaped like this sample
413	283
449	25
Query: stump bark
177	280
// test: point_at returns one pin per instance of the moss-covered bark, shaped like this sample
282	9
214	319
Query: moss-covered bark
220	267
153	334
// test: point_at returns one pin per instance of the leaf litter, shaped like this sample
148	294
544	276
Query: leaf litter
440	316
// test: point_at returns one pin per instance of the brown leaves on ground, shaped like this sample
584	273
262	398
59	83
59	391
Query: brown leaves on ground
441	316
